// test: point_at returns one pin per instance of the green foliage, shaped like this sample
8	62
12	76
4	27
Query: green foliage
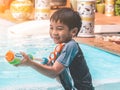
117	8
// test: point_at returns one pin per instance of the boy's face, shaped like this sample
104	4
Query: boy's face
59	32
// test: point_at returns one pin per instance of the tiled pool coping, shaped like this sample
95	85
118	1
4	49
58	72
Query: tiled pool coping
99	43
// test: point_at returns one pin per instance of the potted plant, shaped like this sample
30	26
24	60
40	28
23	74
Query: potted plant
100	6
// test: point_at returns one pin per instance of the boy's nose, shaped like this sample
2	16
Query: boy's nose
54	31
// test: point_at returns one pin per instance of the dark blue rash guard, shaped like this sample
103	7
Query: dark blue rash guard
76	75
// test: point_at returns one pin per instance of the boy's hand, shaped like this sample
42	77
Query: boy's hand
26	59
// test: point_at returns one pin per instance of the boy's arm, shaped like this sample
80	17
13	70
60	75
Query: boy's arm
50	71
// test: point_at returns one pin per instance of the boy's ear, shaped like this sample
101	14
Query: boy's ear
74	31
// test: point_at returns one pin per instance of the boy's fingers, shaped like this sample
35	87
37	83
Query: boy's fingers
23	54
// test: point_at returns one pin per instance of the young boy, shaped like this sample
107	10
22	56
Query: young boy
69	63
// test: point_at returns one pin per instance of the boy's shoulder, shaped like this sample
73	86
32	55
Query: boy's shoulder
72	44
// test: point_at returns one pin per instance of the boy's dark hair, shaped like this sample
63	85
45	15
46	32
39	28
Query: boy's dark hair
68	17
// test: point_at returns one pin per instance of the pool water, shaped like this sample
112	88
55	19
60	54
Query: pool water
25	77
104	68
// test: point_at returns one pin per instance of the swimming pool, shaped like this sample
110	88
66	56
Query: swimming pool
104	66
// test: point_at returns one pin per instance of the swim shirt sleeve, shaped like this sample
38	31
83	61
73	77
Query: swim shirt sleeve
68	53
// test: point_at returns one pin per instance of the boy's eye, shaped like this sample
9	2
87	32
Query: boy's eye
60	28
51	28
57	28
